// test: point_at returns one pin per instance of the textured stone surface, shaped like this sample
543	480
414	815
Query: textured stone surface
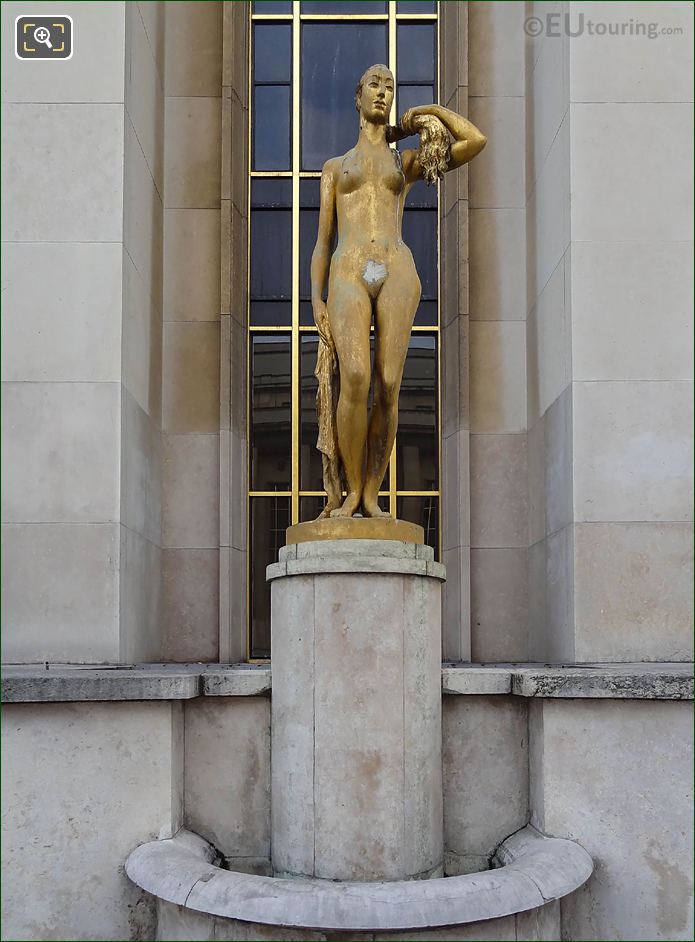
62	682
244	680
56	682
633	591
83	784
227	774
60	587
190	604
473	679
179	873
356	637
83	186
485	762
629	682
350	563
499	604
617	777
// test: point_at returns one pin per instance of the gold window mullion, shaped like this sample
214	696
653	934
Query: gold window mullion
296	385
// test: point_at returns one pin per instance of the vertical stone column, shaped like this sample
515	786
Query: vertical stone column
356	711
497	306
192	417
454	339
234	248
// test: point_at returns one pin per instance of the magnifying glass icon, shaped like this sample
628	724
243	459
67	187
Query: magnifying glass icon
43	35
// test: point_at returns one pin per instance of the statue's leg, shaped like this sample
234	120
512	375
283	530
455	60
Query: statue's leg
395	312
350	314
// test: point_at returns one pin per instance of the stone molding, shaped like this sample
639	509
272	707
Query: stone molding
61	683
532	870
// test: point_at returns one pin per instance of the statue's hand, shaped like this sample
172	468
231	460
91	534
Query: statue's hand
322	324
407	122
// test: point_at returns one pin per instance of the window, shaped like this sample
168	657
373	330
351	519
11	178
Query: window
306	59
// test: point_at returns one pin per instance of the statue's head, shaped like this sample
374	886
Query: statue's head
374	94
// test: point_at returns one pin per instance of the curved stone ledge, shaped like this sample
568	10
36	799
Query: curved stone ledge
533	870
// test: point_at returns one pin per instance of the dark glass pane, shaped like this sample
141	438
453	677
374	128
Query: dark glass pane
310	193
415	51
272	53
417	453
311	471
422	196
269	194
425	511
306	314
271	314
334	57
310	507
270	517
343	7
408	97
415	6
271	393
308	227
271	127
272	6
420	235
271	254
426	315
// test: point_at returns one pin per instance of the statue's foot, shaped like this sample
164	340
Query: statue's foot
371	508
350	505
328	510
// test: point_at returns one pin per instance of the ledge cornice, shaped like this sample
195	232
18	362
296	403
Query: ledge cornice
61	683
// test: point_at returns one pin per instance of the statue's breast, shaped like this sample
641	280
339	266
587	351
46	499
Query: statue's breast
382	172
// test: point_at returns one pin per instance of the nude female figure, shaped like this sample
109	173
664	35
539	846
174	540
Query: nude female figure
372	273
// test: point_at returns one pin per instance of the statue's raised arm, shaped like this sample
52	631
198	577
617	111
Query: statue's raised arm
371	274
437	154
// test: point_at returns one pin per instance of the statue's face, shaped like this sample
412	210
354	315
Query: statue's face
377	95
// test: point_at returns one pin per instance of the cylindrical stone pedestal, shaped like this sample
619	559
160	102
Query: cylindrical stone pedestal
356	711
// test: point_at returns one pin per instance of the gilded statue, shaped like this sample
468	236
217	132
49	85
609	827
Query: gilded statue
371	273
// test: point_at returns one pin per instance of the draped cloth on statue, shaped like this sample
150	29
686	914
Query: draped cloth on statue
328	377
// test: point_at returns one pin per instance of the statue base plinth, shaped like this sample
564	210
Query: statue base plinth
356	734
356	528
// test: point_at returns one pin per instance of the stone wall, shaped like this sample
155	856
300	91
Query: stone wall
609	358
604	768
614	775
82	339
84	783
485	764
631	299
